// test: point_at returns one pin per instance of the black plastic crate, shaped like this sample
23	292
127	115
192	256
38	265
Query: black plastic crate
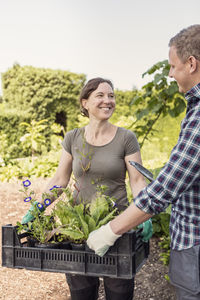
122	260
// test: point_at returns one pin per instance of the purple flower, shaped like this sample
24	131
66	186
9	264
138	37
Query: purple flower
55	187
26	183
40	206
27	199
47	202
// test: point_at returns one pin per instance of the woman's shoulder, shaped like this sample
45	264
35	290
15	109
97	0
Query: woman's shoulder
75	132
126	132
130	141
71	137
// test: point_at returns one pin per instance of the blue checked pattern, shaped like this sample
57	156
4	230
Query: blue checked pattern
178	183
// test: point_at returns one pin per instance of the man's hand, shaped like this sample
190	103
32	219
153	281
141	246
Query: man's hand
29	215
147	230
101	239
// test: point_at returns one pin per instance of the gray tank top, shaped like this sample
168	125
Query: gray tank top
100	165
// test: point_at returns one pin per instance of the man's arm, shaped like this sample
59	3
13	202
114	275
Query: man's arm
129	219
100	240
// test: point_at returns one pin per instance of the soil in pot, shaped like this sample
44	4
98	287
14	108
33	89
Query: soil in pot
31	241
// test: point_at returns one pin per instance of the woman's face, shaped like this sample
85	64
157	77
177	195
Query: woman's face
101	102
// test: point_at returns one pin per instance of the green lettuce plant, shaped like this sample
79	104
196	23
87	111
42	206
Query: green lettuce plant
75	222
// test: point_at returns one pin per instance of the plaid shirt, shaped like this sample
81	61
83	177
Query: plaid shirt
178	183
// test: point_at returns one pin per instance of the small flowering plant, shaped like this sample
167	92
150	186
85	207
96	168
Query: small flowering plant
41	226
30	195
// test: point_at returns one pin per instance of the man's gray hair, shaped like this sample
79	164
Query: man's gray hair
187	42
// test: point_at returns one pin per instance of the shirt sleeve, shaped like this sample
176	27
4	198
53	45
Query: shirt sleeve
67	142
131	143
179	174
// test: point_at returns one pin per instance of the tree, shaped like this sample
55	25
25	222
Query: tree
34	138
157	99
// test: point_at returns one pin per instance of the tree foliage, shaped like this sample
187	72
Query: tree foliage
123	103
10	133
43	93
33	138
157	99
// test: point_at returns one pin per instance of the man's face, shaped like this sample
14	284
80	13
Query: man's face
179	71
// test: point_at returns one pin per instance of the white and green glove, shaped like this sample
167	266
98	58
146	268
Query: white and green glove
101	239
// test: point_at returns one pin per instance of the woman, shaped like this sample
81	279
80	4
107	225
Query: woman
99	154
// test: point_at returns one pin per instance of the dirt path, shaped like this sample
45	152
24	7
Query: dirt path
29	285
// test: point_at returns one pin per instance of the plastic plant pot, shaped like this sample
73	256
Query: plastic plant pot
78	247
48	245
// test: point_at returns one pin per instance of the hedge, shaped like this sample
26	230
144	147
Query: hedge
43	93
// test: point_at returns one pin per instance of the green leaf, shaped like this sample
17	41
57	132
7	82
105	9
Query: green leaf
108	218
136	100
91	223
73	234
84	227
158	78
172	89
99	207
156	67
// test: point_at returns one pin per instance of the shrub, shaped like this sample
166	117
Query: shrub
43	93
11	133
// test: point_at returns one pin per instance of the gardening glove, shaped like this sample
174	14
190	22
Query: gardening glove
101	239
147	230
28	216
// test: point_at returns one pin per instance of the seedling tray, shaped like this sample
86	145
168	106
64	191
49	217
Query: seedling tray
123	260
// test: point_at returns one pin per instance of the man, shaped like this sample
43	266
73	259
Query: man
178	183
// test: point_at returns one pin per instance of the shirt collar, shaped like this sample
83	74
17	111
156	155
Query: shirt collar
194	92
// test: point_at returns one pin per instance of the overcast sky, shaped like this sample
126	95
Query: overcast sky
116	39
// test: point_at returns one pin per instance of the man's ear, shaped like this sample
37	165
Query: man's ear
193	64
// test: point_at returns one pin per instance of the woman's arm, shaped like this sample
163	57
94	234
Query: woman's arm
61	178
62	175
136	179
